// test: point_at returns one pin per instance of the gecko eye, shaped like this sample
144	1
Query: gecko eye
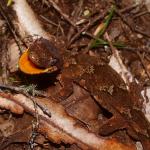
32	57
53	61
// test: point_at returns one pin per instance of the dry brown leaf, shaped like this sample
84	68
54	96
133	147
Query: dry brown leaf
7	127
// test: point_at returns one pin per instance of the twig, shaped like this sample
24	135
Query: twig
89	35
75	16
145	95
79	46
90	24
141	14
133	28
65	16
49	21
4	63
128	8
60	28
78	10
35	126
11	28
85	20
134	49
24	92
143	63
141	32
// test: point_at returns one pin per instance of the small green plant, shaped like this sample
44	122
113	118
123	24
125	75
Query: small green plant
103	26
102	42
100	30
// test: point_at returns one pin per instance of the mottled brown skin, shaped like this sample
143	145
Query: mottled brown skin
44	54
108	89
104	84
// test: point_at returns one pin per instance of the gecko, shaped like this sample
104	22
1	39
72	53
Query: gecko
103	83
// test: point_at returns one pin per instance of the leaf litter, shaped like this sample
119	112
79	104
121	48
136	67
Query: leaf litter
84	98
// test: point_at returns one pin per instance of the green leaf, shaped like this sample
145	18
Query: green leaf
102	28
106	22
9	2
100	42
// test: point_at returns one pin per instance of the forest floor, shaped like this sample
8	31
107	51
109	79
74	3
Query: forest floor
32	114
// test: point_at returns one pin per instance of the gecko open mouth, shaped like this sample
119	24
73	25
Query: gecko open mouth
41	57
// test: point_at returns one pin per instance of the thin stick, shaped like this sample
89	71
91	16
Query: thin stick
4	64
129	8
22	91
65	16
101	16
75	17
130	26
134	49
143	63
141	14
11	28
49	21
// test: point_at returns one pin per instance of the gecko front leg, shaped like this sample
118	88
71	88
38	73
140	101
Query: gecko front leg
66	87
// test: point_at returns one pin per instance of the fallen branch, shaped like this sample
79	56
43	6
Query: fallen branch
61	127
27	19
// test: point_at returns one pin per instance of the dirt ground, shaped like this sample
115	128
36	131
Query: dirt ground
82	103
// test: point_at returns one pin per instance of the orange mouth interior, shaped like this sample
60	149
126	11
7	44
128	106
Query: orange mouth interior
28	67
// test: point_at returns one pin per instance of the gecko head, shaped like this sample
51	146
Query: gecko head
42	56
